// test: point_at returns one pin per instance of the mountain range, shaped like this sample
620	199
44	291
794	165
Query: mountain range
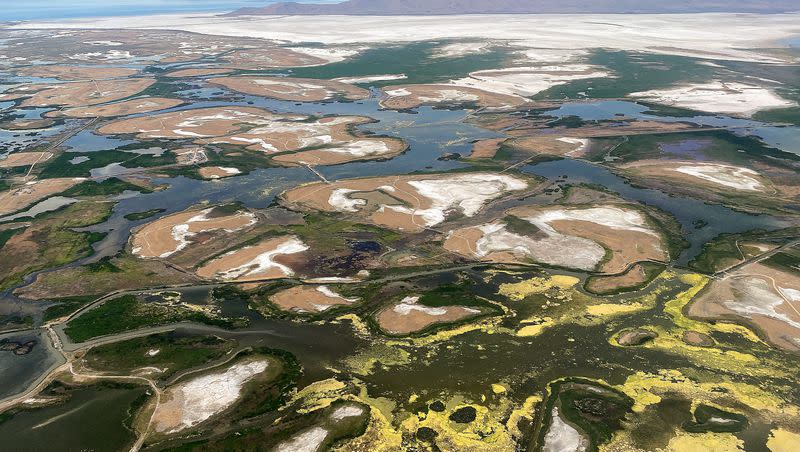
450	7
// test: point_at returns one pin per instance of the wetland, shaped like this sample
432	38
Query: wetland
228	243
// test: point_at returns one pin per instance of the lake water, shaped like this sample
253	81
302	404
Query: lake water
62	9
92	419
785	138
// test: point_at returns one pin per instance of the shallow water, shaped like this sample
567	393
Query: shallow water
784	138
48	205
92	419
87	141
17	372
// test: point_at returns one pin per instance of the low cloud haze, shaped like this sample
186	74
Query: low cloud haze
50	9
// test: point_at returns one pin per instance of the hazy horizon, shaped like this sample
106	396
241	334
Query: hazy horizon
46	9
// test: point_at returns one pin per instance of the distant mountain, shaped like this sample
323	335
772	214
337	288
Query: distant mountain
449	7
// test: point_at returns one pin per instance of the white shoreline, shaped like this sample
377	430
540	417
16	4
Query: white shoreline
704	35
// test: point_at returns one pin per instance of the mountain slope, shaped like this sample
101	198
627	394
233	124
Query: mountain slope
445	7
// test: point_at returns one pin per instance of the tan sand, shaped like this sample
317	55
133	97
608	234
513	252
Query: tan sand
292	89
551	145
24	159
697	339
77	94
253	263
21	197
270	58
361	149
76	72
124	108
608	284
574	238
486	149
756	294
136	47
404	97
407	203
626	248
305	299
259	130
198	399
408	316
170	234
27	124
217	172
716	176
197	123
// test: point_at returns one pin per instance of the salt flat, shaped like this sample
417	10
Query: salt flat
713	36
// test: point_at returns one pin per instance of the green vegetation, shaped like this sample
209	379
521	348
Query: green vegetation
452	294
780	115
165	351
108	187
60	166
729	249
6	235
104	265
164	89
50	241
668	111
282	380
519	226
136	216
229	156
717	255
412	59
633	72
785	260
101	278
570	122
229	293
66	306
507	152
321	231
718	145
128	313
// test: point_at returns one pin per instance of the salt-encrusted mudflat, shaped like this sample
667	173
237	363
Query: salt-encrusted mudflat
407	203
199	399
170	234
718	97
712	36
